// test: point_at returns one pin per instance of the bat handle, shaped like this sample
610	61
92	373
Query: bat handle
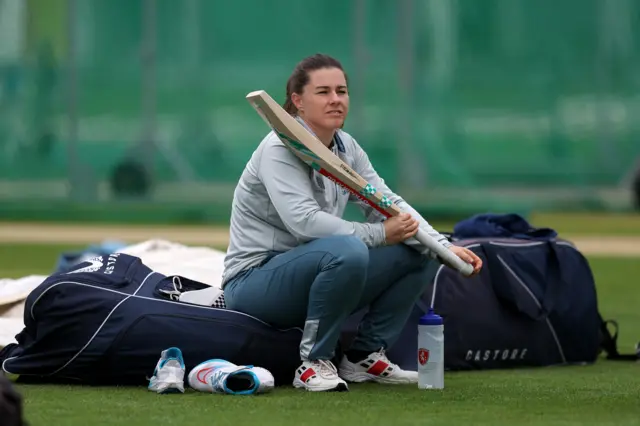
449	257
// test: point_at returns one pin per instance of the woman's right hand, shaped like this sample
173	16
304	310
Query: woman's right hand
400	228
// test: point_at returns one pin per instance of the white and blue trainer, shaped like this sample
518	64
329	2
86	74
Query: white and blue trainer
168	376
220	376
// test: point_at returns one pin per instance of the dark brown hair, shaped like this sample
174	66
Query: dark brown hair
300	76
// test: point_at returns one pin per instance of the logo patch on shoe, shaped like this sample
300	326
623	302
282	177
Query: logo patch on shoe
310	373
423	356
378	368
202	375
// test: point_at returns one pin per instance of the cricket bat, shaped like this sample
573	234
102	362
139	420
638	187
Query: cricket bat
309	149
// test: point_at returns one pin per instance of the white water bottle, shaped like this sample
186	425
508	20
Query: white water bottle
431	351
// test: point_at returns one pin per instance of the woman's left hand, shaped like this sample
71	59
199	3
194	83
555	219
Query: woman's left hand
469	257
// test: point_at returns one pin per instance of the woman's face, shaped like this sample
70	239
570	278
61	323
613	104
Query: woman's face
324	101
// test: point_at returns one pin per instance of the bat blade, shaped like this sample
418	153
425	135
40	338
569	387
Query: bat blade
312	151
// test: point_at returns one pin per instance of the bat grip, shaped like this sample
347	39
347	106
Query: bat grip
444	253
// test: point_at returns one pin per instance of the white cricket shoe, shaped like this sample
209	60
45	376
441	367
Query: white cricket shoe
168	376
319	376
220	376
377	368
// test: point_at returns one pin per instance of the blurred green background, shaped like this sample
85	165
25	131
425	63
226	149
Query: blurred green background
134	110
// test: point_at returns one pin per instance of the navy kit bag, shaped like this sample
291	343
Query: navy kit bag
107	319
533	304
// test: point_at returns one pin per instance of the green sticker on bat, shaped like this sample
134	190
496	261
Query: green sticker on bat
368	190
297	145
385	202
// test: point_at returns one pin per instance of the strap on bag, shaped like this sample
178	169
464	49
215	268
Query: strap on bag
609	342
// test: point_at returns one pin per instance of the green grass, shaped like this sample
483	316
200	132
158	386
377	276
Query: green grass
602	394
573	224
589	223
606	393
19	260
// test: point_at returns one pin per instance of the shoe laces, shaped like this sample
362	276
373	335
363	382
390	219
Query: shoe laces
325	368
177	284
219	375
217	378
381	355
177	289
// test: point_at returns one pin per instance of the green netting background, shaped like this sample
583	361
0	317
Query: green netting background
462	105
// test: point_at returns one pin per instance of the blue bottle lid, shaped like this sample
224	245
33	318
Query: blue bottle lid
430	318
